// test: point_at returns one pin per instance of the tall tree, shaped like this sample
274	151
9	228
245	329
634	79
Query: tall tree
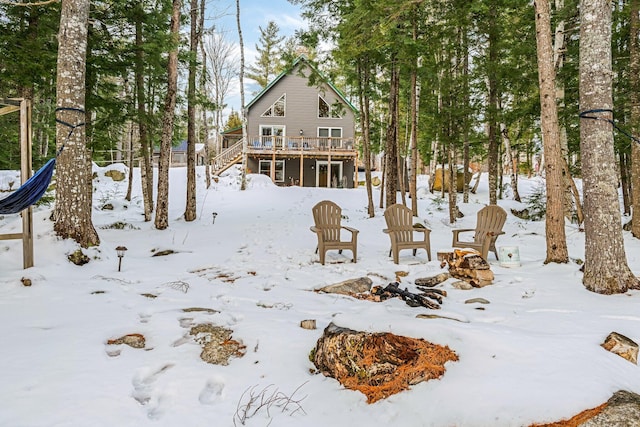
196	33
74	191
634	77
605	269
162	211
268	62
221	66
556	238
492	100
391	140
243	173
146	147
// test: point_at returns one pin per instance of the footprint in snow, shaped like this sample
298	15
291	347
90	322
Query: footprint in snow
212	391
143	383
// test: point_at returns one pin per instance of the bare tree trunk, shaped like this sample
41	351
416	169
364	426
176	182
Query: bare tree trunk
574	191
465	149
624	165
492	134
391	146
203	89
190	207
146	150
243	174
605	270
513	168
382	184
556	238
453	184
413	138
162	211
74	197
634	77
364	81
130	160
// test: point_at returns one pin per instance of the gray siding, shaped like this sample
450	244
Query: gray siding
301	110
292	171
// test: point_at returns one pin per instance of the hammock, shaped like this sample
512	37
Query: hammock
32	190
29	192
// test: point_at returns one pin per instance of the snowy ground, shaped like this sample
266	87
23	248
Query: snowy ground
532	355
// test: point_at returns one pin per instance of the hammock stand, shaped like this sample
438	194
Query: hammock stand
24	106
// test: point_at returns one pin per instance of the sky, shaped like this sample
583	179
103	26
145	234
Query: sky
531	353
253	15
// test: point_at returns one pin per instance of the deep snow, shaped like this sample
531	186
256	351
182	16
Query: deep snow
532	355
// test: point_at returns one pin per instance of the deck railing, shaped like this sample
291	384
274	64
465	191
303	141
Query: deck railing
299	143
230	154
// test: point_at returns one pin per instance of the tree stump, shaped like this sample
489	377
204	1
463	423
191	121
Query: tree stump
378	364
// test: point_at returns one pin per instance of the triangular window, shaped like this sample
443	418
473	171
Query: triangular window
277	108
328	111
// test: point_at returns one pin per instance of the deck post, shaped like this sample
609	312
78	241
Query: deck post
301	169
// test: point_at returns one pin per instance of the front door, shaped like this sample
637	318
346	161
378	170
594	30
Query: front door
322	175
326	179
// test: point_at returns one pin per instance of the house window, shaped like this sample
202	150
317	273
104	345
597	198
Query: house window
325	110
271	135
265	169
277	108
330	132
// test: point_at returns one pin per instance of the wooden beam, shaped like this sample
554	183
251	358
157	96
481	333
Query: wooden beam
8	109
11	101
24	106
11	236
25	174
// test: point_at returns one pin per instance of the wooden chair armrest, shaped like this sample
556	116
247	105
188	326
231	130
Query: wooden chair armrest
460	230
457	231
352	230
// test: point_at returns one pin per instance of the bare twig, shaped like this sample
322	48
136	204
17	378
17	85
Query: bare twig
252	401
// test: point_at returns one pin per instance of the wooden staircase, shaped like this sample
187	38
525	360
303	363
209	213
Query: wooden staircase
227	158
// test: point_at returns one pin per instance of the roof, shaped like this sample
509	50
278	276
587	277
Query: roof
183	147
232	131
295	63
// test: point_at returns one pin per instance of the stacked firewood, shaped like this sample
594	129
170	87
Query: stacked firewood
468	265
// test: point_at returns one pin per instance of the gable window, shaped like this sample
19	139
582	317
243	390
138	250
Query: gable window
265	169
277	108
325	110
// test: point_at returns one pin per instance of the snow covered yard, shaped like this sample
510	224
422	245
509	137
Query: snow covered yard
531	355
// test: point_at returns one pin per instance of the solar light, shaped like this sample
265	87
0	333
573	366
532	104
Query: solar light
120	250
215	214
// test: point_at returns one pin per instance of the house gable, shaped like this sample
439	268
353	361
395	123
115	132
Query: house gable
301	115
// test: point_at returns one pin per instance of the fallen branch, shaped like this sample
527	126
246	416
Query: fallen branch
412	300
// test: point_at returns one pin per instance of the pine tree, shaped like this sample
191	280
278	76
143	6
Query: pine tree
269	49
233	121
